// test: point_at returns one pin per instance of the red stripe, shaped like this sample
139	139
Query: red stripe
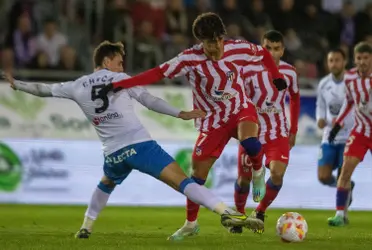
209	90
197	87
368	123
235	86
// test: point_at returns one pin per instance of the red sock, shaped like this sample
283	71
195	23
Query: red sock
192	208
271	193
256	161
240	197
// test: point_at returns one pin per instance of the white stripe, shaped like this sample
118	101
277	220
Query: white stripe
243	57
228	87
263	129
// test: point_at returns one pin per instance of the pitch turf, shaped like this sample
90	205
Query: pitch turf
53	227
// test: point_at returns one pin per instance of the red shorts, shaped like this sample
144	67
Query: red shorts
276	150
212	143
357	145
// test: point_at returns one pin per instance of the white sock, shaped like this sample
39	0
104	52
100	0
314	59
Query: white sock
203	196
340	213
97	203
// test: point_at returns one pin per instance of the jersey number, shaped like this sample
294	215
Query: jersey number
95	96
105	100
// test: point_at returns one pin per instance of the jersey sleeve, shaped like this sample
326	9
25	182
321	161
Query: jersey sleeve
346	107
293	87
177	66
321	108
64	90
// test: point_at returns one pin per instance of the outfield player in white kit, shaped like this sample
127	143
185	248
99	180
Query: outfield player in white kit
126	143
330	97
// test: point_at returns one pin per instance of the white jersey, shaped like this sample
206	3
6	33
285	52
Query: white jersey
113	117
331	95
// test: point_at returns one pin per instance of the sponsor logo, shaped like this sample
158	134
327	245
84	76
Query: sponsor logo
106	118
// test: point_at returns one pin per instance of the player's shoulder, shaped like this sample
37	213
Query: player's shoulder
195	50
286	66
241	44
351	75
324	81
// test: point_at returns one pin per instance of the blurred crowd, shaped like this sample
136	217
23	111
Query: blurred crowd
61	34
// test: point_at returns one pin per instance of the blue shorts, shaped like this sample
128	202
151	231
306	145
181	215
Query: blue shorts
331	155
147	157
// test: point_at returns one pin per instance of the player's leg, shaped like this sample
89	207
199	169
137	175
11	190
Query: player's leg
242	185
115	173
327	161
247	133
356	148
277	157
340	155
208	148
151	159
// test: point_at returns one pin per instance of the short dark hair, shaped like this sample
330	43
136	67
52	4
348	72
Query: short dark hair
208	26
363	47
337	50
107	49
274	36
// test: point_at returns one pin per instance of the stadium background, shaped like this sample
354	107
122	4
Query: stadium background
49	154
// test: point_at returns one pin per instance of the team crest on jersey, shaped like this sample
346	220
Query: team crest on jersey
334	108
230	76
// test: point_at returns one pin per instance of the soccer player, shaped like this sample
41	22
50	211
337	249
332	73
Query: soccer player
330	97
275	135
358	95
126	143
213	69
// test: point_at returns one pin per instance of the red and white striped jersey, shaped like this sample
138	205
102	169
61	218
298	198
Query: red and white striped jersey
359	92
268	100
217	86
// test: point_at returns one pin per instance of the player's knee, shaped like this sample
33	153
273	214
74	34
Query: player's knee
277	175
243	181
252	146
106	186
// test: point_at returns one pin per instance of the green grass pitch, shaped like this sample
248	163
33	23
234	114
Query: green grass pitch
53	227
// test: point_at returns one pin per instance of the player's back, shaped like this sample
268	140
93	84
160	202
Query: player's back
113	116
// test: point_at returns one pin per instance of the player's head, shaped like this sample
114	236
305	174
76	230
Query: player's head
109	55
363	57
336	61
273	41
210	30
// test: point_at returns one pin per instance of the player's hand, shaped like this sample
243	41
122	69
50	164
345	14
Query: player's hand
9	78
280	84
103	92
321	123
292	140
193	114
333	133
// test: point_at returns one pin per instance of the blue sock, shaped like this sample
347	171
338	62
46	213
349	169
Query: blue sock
184	183
341	198
105	188
198	180
241	190
270	184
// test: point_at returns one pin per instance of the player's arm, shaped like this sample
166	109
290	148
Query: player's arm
175	67
256	53
294	106
321	108
160	106
62	90
345	110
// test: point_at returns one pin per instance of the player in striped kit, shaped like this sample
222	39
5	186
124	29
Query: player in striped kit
213	69
358	95
330	97
275	135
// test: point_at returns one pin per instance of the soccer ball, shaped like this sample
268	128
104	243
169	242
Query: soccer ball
291	227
